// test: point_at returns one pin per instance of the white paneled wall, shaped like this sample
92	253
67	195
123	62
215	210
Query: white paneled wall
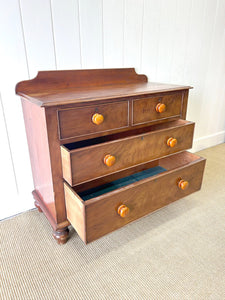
174	41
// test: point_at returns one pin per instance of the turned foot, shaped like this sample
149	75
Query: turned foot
37	205
61	235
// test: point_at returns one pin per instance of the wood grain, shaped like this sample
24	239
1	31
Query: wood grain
51	88
78	121
128	152
144	110
109	118
35	123
75	211
140	197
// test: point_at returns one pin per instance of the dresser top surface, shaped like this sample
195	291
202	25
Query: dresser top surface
54	88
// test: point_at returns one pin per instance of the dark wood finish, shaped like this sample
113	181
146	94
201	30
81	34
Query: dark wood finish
42	207
111	177
184	104
128	152
45	155
53	88
140	197
61	235
146	110
75	212
37	137
56	163
124	122
116	131
78	121
36	203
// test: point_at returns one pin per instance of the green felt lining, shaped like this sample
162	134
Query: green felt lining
116	184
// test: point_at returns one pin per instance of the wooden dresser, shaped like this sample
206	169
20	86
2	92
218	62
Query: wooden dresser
106	147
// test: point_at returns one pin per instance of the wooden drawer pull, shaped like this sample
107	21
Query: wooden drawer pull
97	119
123	210
182	184
160	107
109	160
171	142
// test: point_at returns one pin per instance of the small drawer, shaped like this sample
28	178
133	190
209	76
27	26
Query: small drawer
85	121
88	160
156	108
96	212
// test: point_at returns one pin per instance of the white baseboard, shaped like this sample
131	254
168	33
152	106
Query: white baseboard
208	141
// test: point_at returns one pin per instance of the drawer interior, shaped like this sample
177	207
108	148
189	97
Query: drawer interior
94	211
119	183
122	135
163	165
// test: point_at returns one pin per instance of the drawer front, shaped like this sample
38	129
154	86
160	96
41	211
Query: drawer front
85	121
156	108
89	163
101	214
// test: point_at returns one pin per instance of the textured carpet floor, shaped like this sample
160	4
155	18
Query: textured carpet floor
177	252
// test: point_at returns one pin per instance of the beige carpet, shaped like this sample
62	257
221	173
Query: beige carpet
177	252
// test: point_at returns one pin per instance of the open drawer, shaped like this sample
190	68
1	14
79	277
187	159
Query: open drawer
91	159
100	210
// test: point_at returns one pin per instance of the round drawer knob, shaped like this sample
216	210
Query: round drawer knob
160	107
123	210
97	119
171	142
109	160
182	184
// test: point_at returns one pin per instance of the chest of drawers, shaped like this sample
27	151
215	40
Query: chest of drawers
106	147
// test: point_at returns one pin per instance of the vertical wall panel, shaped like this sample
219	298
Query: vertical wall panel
150	44
213	90
166	40
133	25
13	69
206	46
180	41
66	28
197	54
37	25
176	41
91	32
113	30
7	177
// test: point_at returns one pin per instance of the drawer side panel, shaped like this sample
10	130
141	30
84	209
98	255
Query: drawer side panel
75	212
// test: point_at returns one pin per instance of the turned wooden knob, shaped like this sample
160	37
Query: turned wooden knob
97	119
123	210
160	107
171	142
109	160
182	184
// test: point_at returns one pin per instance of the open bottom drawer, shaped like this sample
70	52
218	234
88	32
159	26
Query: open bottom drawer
96	212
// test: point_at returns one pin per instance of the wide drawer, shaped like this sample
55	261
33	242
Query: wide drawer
85	161
156	108
84	121
98	211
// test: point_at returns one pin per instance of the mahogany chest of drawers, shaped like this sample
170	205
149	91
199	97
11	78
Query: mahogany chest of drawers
106	147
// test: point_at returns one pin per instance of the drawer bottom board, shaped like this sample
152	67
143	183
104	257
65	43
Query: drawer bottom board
116	184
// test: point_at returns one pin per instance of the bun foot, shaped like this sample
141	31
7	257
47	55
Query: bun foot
37	205
61	235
